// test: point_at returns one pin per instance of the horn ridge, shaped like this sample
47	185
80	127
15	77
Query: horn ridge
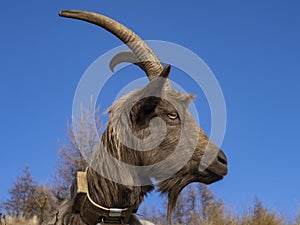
151	64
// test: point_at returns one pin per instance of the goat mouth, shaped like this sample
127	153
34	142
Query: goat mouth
208	177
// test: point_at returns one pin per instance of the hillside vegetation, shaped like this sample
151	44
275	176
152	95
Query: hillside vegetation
31	204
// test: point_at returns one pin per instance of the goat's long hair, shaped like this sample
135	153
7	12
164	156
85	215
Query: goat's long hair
130	119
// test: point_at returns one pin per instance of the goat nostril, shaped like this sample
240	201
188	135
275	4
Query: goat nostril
222	158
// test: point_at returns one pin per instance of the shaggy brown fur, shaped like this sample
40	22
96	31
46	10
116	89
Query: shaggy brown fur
133	115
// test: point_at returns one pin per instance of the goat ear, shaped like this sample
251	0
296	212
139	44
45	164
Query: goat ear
150	97
144	109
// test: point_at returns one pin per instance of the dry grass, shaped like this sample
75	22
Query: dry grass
22	221
198	206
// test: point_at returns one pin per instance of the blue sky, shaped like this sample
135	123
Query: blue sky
252	47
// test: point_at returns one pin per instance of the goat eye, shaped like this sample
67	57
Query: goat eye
173	116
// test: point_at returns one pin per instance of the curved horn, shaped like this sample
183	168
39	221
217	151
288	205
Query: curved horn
149	61
125	56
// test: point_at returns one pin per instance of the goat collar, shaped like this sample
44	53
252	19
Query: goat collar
91	212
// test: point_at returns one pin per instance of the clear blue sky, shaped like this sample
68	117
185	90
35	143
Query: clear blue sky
252	47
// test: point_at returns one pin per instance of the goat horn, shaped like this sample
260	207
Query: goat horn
147	58
125	56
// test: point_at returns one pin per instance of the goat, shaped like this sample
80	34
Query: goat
140	114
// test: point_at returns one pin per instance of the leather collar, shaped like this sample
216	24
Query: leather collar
91	212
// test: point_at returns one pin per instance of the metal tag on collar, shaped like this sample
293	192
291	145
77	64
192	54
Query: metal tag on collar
113	212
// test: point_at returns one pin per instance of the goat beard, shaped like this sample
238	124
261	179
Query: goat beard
173	187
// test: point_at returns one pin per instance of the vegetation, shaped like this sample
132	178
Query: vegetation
28	201
72	155
198	205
